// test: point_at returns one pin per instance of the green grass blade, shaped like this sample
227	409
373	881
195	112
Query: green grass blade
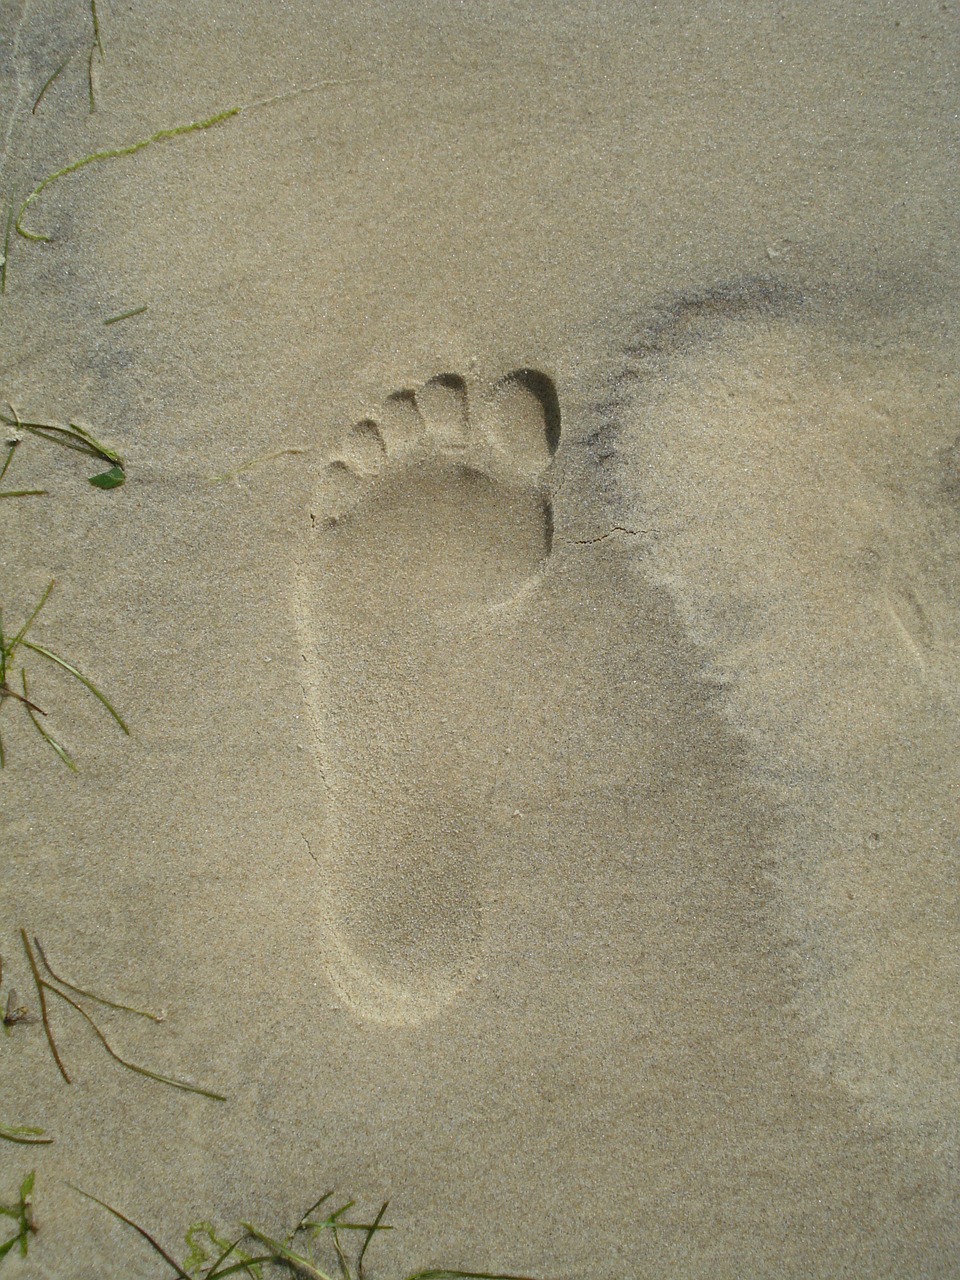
313	1208
126	315
12	449
113	153
96	27
24	493
45	734
5	1248
72	436
68	666
281	1251
237	1267
100	449
50	82
122	1217
373	1229
26	1135
17	640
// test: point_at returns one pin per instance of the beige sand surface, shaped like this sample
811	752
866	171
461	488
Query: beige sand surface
541	801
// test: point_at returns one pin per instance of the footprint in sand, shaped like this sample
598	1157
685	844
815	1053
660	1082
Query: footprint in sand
429	528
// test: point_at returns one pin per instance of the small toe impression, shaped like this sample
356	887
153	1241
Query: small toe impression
400	420
443	403
364	449
527	416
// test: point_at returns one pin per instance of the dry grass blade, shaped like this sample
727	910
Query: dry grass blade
26	1135
89	995
42	1000
122	1217
95	17
172	1081
43	986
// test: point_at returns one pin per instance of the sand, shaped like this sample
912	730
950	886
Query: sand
534	602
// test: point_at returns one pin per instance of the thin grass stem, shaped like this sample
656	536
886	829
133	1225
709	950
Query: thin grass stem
68	666
122	1217
374	1228
25	1135
80	991
42	999
126	315
90	90
47	84
133	1066
96	27
112	153
237	1267
280	1250
18	639
45	734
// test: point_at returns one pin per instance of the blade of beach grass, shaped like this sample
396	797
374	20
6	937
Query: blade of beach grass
25	1135
45	734
24	493
122	1217
374	1227
126	315
48	83
68	666
282	1251
96	446
71	436
313	1209
172	1081
259	460
230	1248
112	153
237	1267
42	999
80	991
18	639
